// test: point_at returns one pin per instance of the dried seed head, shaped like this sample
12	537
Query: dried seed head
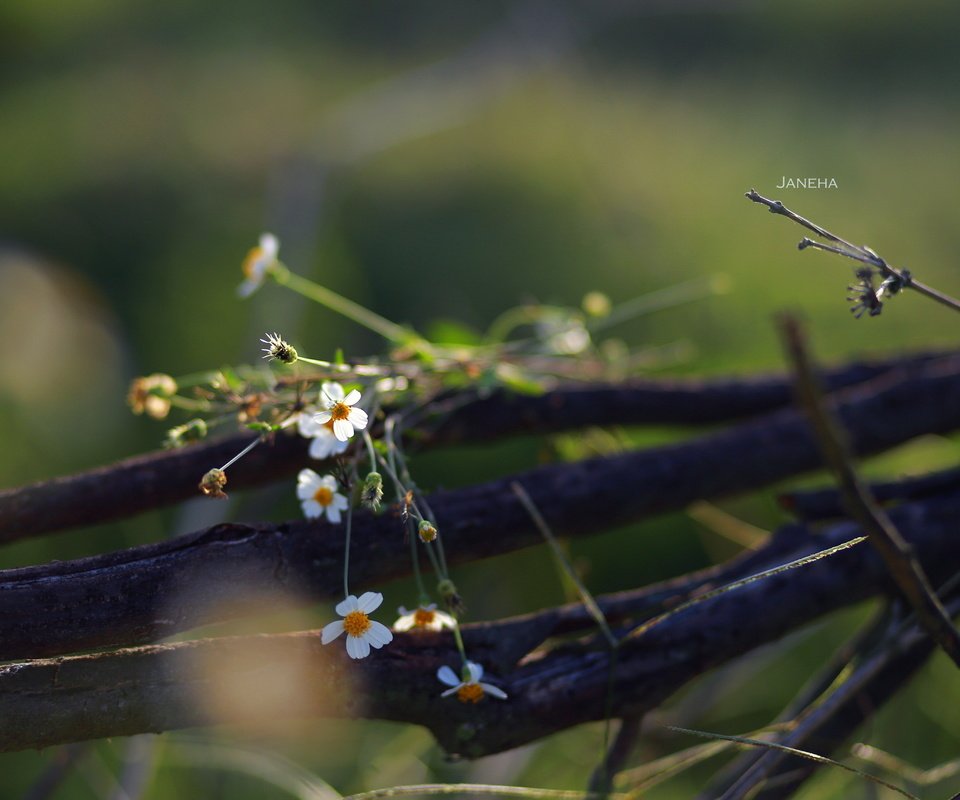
213	482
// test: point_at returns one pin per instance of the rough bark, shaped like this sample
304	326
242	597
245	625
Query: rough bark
163	687
165	477
146	593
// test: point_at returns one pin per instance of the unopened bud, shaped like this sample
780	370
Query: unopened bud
192	431
447	590
427	531
372	492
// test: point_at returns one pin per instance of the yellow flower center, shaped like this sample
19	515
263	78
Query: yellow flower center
470	693
356	623
422	617
323	496
339	411
252	258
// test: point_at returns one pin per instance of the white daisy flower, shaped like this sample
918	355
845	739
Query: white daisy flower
323	443
362	632
425	618
319	496
470	689
256	264
341	411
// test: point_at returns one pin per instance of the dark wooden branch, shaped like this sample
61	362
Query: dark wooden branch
164	477
164	687
821	504
146	593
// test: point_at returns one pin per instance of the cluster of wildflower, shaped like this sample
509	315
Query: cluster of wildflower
334	407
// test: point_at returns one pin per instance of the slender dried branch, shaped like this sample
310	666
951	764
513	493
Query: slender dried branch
860	253
824	728
164	687
169	476
601	781
862	644
906	571
146	593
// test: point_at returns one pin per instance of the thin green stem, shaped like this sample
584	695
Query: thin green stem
241	454
668	297
415	559
585	596
459	640
371	452
346	552
364	370
341	305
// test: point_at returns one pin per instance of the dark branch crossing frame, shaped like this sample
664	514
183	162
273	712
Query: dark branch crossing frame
119	599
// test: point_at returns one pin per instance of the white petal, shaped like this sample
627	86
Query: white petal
339	502
307	476
444	620
449	692
378	635
320	446
405	623
475	670
342	429
493	690
311	509
329	482
333	514
358	418
306	491
270	246
307	426
331	392
449	677
369	601
248	287
322	418
357	647
351	398
331	631
345	606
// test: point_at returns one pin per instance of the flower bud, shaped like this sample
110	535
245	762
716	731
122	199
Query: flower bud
192	431
427	531
372	492
447	590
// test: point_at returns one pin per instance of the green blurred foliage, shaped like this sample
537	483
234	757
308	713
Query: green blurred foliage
421	159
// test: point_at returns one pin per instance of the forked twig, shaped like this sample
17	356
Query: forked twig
898	278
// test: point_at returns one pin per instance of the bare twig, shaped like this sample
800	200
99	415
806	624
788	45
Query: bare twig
601	781
904	568
860	253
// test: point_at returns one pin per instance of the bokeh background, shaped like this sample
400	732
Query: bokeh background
444	161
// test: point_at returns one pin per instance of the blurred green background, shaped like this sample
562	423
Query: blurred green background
446	161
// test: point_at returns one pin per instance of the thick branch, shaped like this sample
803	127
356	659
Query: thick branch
164	477
146	593
164	687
